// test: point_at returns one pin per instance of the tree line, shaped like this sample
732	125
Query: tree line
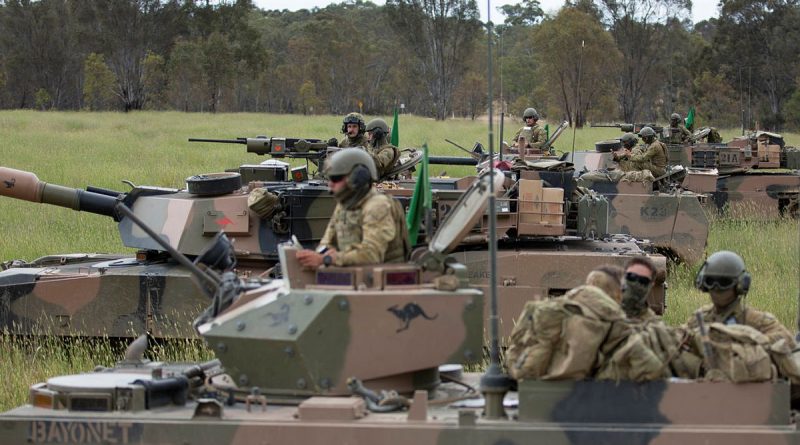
592	61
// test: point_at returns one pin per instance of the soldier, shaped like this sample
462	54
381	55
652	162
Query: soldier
367	227
629	147
353	127
640	274
678	133
531	135
383	153
724	277
652	157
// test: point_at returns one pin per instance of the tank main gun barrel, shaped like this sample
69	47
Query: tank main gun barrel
451	160
27	187
276	147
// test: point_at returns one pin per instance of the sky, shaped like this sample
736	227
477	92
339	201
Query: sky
701	9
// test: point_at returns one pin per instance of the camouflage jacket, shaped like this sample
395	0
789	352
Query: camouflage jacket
372	232
653	158
679	135
647	316
385	156
534	137
764	322
358	141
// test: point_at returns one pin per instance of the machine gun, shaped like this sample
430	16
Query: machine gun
277	147
631	128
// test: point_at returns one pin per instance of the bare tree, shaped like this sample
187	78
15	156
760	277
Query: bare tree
441	33
637	27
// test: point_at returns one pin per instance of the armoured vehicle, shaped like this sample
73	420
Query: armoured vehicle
672	220
344	355
751	176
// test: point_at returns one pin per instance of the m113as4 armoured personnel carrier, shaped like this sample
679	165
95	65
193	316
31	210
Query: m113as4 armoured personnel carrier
344	355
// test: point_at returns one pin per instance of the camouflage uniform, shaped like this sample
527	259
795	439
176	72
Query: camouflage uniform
653	158
371	232
537	137
385	157
679	135
358	141
646	316
764	322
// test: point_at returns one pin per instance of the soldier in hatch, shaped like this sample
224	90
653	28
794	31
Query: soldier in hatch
724	277
678	133
367	227
354	129
531	135
629	148
382	151
652	157
640	274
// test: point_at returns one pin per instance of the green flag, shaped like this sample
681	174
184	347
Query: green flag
546	132
421	201
690	119
395	140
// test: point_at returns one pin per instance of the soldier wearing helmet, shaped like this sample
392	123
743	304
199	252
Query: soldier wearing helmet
354	128
367	227
384	153
531	135
652	157
678	133
724	277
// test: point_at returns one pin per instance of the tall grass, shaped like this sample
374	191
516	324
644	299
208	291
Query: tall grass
102	149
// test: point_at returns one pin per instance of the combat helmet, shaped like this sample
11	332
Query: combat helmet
723	270
345	161
530	112
647	134
354	118
675	117
628	139
378	127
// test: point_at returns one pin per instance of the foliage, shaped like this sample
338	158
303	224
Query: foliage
429	55
98	83
42	99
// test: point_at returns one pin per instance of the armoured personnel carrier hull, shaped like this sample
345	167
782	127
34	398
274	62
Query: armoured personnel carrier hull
585	412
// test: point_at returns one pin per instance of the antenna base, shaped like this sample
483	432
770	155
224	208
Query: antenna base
494	386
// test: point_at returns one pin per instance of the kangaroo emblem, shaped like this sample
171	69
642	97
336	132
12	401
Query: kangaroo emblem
10	183
409	312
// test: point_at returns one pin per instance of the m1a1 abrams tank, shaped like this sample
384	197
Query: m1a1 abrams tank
118	295
673	221
752	176
292	354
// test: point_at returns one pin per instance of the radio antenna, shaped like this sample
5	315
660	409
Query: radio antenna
494	383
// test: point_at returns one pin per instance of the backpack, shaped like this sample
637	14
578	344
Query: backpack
560	338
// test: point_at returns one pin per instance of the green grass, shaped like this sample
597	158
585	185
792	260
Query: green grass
102	149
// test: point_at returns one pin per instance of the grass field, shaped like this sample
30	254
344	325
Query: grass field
102	149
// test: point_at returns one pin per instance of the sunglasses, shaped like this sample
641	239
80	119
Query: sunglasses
336	178
636	278
721	283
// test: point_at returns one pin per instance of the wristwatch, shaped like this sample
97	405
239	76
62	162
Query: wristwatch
327	260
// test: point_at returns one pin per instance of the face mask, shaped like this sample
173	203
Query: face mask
634	297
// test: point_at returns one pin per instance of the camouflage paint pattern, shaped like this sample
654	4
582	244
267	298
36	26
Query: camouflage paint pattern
111	298
302	337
